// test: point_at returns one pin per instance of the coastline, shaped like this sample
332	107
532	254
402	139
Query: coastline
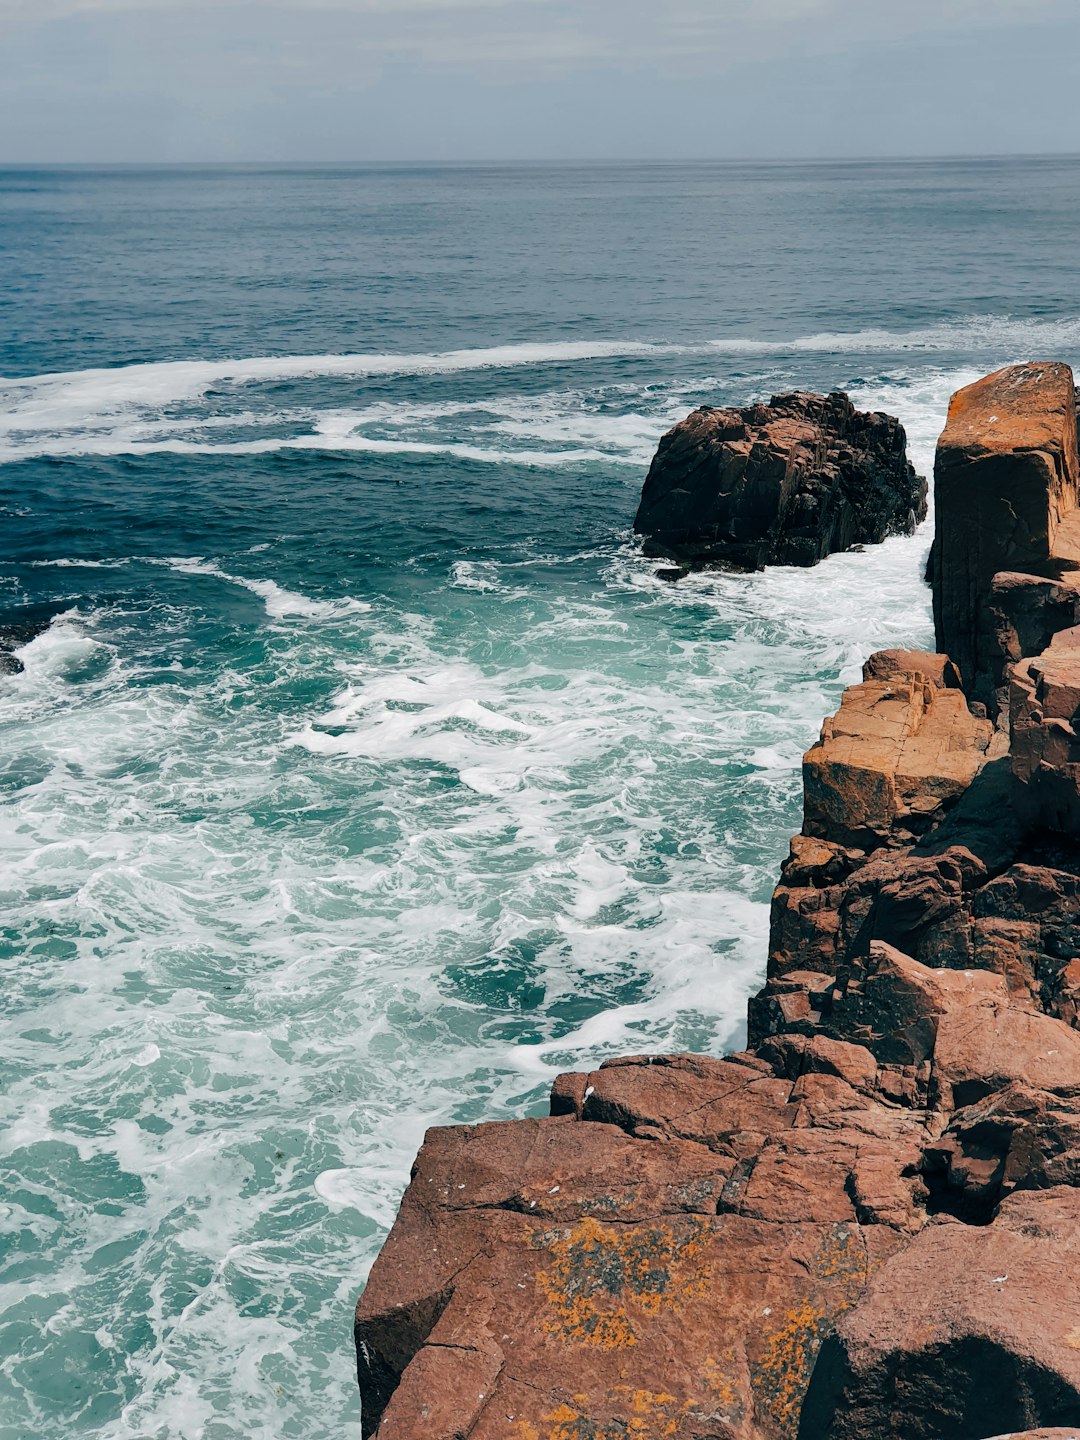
788	1242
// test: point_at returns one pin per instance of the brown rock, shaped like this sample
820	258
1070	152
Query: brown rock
671	1274
891	761
1044	699
1027	611
1070	1432
1026	924
785	483
958	1334
1018	1138
1006	480
939	670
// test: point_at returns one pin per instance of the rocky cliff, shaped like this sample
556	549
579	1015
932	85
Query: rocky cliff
867	1225
780	484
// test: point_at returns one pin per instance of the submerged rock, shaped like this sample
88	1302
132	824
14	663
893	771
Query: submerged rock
780	484
20	624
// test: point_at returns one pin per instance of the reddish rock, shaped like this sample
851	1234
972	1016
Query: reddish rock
939	670
1044	701
780	484
968	1328
891	761
675	1272
1070	1432
1005	483
1027	611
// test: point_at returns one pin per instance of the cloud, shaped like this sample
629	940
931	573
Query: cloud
372	78
588	31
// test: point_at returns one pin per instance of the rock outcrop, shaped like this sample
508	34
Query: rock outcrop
1005	498
780	484
866	1226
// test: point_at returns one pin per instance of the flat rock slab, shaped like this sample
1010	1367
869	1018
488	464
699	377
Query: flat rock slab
676	1273
896	754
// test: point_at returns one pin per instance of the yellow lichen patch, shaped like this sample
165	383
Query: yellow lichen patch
727	1399
646	1415
783	1372
601	1279
781	1375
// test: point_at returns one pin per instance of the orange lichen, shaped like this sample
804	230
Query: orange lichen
628	1413
646	1415
727	1397
781	1375
601	1279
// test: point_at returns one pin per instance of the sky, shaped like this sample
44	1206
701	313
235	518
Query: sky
89	81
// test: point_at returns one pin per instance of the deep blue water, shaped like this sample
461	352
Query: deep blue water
367	775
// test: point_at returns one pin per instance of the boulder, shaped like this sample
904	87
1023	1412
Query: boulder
939	670
968	1328
1006	490
780	484
890	762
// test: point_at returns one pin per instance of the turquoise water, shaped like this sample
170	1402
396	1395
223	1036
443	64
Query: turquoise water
367	777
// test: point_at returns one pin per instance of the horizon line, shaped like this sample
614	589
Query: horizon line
492	162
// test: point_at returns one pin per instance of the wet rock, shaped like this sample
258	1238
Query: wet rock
780	484
20	624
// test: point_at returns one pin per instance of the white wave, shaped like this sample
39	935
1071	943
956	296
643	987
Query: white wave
476	872
1005	336
280	603
62	396
64	564
118	445
59	650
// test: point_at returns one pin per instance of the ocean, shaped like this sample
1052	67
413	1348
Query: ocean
366	776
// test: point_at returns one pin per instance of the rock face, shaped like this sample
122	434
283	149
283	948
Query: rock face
867	1225
780	484
1005	496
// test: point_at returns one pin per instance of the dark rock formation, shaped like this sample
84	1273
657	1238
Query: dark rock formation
780	484
866	1226
19	625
